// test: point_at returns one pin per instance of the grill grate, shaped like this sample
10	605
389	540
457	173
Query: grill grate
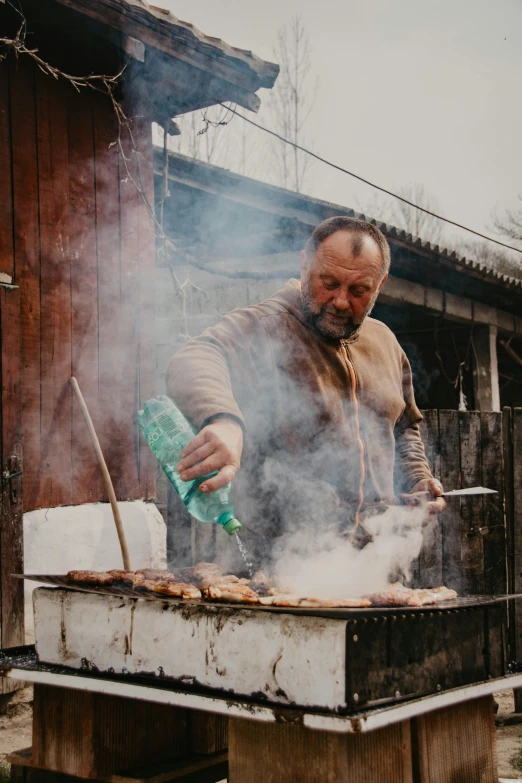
466	602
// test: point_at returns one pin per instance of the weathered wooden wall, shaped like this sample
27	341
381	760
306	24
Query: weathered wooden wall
78	241
467	549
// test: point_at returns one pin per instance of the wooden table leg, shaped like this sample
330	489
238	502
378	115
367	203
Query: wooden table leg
270	752
80	735
456	744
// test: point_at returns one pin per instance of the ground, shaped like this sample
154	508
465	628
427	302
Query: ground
16	717
16	728
509	739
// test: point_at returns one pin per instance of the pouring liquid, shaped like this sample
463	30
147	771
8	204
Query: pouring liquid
246	556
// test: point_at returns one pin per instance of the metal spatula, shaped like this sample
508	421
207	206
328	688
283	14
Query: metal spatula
469	491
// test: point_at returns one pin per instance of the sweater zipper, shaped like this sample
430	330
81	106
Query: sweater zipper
362	468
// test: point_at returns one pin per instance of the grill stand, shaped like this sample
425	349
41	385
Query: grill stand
87	730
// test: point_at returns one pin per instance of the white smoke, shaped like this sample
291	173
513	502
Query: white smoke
328	566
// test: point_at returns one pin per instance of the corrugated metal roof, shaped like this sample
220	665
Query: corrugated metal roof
310	211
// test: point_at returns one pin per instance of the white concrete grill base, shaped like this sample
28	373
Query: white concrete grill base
284	658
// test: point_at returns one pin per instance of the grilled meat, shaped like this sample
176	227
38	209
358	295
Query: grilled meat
230	591
90	577
335	603
398	595
286	599
215	579
153	574
178	589
434	595
125	577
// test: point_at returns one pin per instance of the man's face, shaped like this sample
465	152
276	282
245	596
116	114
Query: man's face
340	283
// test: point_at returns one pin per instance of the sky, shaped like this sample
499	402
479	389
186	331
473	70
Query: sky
409	91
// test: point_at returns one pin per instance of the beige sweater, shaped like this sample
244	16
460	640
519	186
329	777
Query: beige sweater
291	390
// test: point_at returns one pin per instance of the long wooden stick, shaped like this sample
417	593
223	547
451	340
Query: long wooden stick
106	476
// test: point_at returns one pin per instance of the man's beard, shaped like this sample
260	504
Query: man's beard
318	318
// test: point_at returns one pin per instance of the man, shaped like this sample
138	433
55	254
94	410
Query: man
310	397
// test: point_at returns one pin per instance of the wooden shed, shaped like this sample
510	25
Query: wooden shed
77	242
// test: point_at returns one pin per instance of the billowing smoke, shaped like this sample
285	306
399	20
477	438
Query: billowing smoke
330	567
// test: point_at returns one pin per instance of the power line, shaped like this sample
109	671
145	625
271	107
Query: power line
371	184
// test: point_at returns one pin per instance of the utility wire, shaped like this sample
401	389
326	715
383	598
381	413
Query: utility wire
367	182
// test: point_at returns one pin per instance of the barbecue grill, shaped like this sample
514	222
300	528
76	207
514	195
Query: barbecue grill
335	659
314	680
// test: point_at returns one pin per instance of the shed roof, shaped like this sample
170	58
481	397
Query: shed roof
413	258
158	28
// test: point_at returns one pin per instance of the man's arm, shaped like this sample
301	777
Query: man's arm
199	381
412	467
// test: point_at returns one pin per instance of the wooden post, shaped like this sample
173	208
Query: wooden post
516	536
267	752
485	371
11	525
79	734
456	744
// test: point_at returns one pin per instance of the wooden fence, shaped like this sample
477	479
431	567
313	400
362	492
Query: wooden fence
467	549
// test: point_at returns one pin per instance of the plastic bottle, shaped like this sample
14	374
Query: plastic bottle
167	432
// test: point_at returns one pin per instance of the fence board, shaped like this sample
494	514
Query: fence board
128	361
86	478
108	251
11	528
450	477
495	581
56	459
517	527
27	252
6	202
471	540
429	570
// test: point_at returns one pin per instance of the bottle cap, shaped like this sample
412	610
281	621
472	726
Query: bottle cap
232	526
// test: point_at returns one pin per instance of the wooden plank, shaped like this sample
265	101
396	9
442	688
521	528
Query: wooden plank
108	250
56	460
430	560
27	251
517	539
456	744
495	580
86	477
197	769
268	752
11	525
6	202
11	531
450	477
128	367
208	733
471	540
95	736
147	265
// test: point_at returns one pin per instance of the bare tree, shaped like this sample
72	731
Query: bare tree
292	99
509	225
203	135
401	215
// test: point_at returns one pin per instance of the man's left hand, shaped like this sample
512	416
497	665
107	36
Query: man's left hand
435	490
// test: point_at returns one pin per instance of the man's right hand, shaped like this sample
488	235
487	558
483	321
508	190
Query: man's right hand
218	446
